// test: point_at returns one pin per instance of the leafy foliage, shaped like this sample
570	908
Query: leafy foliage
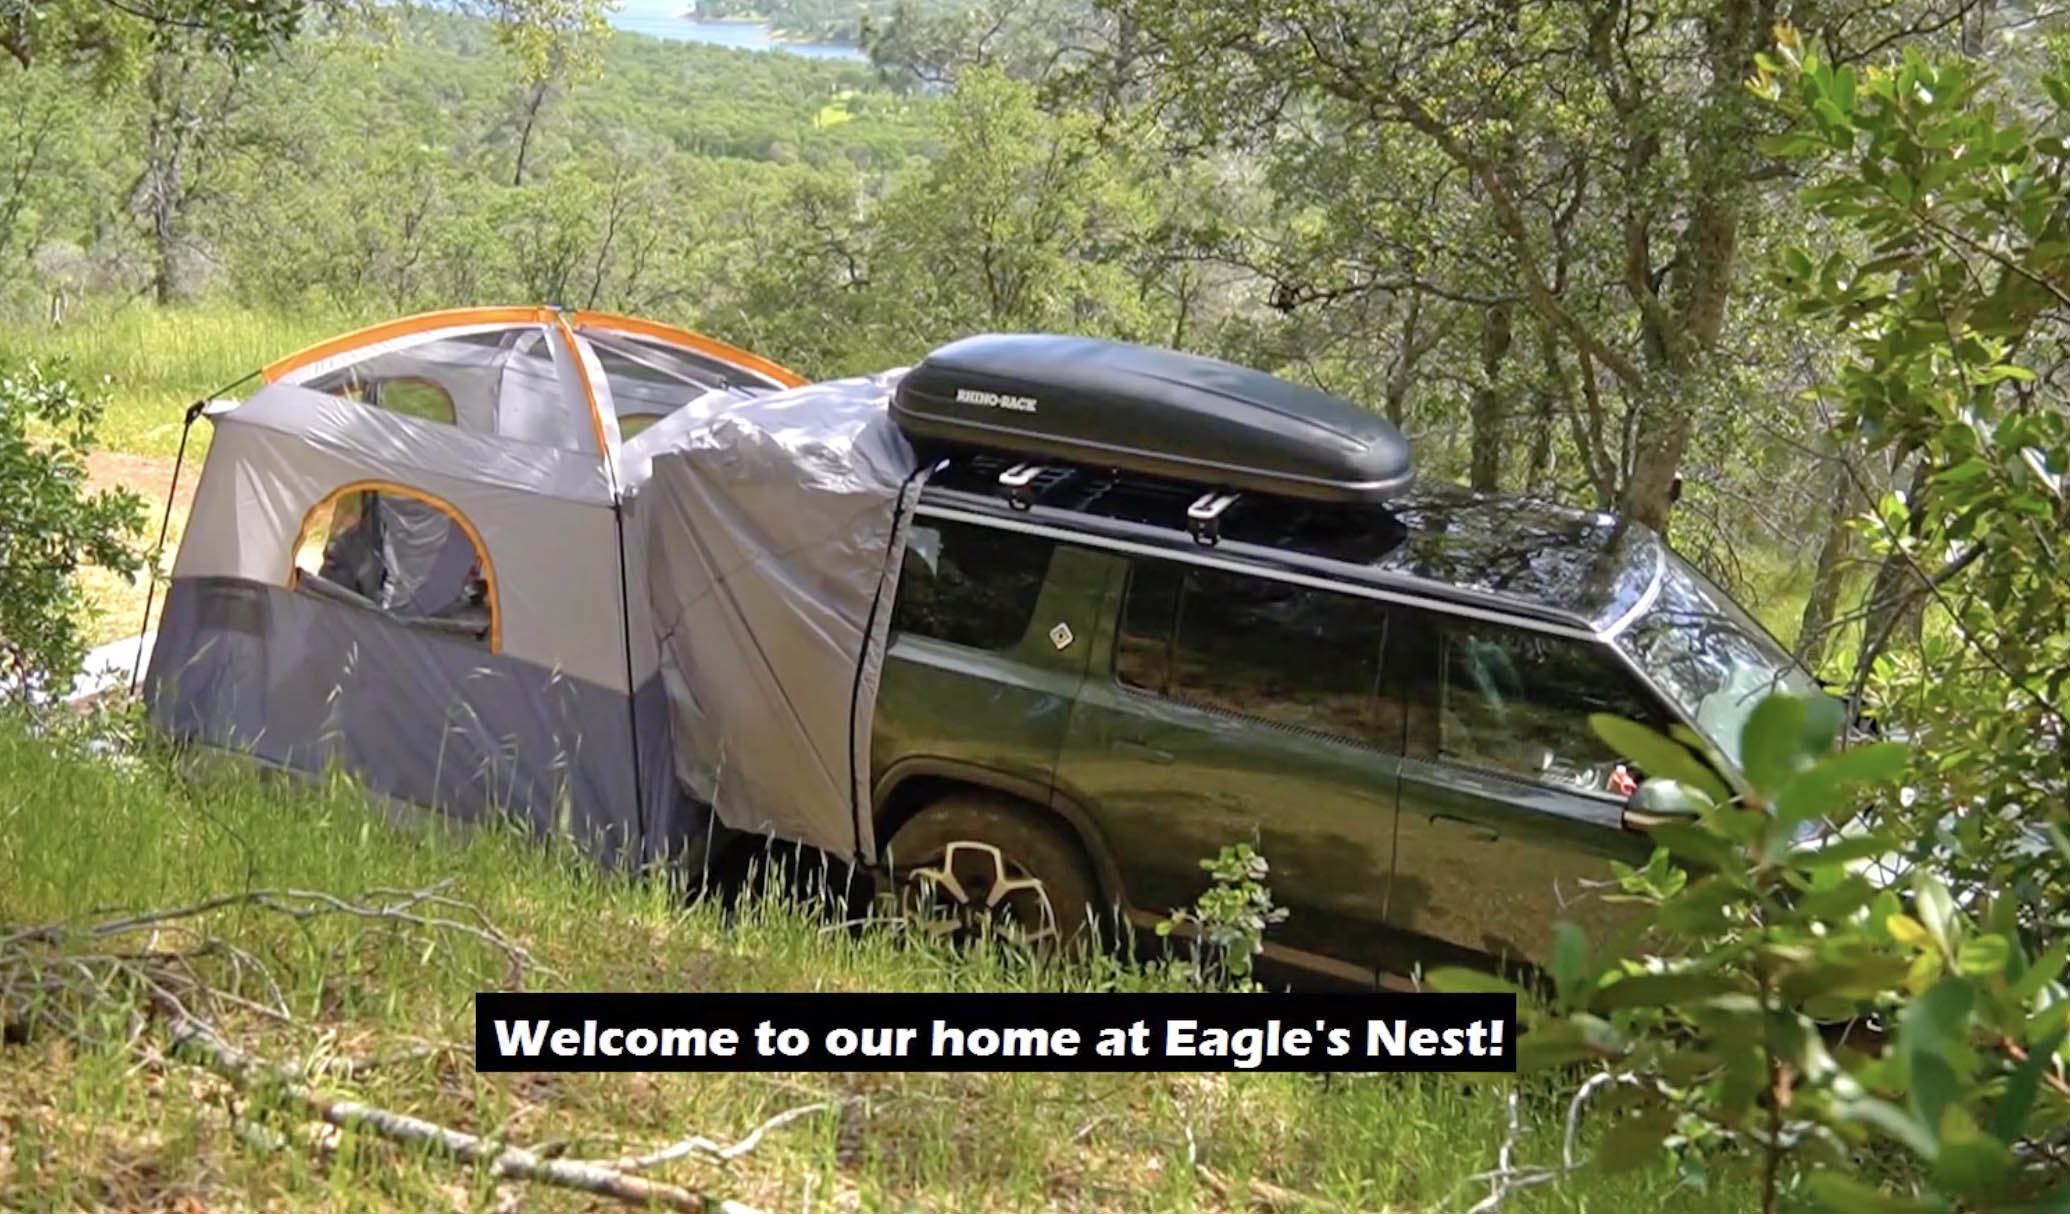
1228	922
1950	300
50	526
1816	1014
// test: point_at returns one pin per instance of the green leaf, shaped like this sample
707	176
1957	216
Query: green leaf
1983	955
2009	1116
1839	901
1845	851
1970	1162
1933	1087
1661	990
1771	743
1846	1195
1460	980
1824	717
1893	1122
1565	1042
1699	910
1936	909
1940	1017
1697	845
1845	979
1816	790
2042	972
1633	1141
1657	755
1569	960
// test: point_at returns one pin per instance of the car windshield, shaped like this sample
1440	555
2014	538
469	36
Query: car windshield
1711	658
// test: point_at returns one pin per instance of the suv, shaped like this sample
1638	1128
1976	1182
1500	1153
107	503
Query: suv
1087	691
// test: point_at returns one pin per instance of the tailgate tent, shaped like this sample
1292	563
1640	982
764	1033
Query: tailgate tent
772	530
408	557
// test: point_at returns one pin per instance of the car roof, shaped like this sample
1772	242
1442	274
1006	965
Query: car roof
1583	563
1522	556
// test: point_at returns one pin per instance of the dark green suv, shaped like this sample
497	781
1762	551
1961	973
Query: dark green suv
1084	696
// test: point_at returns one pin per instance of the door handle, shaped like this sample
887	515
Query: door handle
1143	750
1481	830
1640	821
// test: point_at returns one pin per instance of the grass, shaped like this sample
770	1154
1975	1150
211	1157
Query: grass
87	1125
153	362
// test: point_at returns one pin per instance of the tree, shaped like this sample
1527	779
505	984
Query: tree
50	527
1953	300
1607	155
1020	220
109	40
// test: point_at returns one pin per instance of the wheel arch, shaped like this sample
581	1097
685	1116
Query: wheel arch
911	785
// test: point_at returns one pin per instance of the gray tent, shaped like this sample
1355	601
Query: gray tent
429	554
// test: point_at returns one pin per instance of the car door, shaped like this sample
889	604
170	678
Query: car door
983	661
1222	707
1511	809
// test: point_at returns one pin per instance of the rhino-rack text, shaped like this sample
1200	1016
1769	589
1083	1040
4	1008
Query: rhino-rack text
995	400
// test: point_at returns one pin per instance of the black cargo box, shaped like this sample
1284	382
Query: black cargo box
1159	413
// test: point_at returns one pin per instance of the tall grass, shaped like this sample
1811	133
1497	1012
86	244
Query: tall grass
86	1125
153	362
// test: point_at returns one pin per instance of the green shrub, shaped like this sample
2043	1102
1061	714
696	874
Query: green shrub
51	526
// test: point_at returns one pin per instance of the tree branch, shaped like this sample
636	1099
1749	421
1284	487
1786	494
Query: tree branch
247	1073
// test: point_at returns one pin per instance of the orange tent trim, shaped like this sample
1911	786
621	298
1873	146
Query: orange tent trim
589	390
674	336
387	330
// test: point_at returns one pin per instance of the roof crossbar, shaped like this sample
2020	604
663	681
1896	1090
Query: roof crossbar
1019	483
1204	516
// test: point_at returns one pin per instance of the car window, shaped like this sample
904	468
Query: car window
1259	648
969	585
1518	702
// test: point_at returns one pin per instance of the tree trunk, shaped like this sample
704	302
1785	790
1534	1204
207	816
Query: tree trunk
1401	377
1824	599
1486	413
1539	470
532	108
1897	599
1661	438
162	186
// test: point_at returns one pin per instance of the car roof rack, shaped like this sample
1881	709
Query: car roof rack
1357	533
1062	410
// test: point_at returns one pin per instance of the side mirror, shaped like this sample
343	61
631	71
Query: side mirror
1655	803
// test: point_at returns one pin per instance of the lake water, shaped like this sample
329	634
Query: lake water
663	19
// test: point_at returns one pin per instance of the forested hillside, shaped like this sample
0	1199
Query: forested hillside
1788	280
1586	321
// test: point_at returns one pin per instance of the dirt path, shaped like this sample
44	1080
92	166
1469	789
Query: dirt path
119	605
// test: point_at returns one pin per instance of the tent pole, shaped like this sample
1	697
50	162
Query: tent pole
632	690
172	493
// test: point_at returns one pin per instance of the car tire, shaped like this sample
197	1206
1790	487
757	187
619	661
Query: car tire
961	851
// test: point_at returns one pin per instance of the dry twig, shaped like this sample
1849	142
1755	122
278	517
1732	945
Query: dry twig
247	1073
697	1145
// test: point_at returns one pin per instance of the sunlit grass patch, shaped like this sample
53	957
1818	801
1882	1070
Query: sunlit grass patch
152	362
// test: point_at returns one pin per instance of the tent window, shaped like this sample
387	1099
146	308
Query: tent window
402	553
415	396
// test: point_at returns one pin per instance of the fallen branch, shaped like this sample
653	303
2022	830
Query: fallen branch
704	1146
1507	1178
248	1073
